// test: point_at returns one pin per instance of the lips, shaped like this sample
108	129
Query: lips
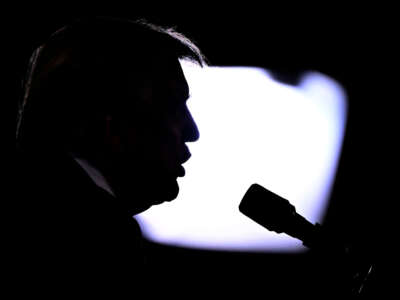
181	171
185	158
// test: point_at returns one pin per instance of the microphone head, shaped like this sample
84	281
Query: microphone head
267	209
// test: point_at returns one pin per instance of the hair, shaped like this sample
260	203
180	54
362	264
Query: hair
73	75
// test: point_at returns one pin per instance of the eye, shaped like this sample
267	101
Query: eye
177	107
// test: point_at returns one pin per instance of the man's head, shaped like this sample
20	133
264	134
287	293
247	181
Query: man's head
113	92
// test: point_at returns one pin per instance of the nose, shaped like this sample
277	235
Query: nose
190	132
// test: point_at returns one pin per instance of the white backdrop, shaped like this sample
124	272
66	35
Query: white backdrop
252	130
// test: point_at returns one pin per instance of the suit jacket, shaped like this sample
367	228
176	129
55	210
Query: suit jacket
69	234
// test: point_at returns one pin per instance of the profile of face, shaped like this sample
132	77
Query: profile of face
146	145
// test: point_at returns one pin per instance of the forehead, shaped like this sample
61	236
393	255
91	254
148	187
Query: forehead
170	77
162	82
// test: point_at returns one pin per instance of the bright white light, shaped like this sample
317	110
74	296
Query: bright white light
252	130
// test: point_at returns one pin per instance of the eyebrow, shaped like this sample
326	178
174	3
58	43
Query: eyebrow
184	94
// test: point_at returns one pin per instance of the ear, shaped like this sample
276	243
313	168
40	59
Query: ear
112	134
108	124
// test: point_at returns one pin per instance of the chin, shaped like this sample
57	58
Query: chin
165	193
153	194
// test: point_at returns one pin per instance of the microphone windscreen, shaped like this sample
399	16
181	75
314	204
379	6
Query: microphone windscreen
267	208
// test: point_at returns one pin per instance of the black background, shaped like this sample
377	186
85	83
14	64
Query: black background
354	46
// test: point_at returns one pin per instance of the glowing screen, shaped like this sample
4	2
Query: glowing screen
253	129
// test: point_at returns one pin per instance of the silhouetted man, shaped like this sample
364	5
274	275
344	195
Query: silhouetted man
102	132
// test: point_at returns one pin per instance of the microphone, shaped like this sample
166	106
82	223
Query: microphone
277	214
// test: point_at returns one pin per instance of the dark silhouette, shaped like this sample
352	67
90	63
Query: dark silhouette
101	132
68	232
